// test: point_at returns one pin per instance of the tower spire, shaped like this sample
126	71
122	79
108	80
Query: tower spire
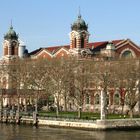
79	13
11	26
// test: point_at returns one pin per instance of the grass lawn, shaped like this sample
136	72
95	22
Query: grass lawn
85	115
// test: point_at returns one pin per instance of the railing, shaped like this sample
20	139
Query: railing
72	119
10	114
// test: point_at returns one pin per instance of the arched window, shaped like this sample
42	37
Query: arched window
107	99
127	54
82	42
12	50
13	45
116	99
97	99
74	42
87	99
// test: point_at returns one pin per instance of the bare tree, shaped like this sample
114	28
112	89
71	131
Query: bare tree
131	84
127	79
36	74
79	79
103	77
57	73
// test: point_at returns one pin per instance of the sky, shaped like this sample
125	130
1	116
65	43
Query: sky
43	23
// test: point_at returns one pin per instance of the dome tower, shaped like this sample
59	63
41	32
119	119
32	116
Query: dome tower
79	35
11	43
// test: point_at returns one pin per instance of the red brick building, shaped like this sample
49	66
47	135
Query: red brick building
79	46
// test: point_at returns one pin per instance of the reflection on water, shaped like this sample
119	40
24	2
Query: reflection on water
15	132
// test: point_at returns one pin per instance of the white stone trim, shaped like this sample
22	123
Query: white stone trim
42	51
121	42
75	34
127	49
62	49
128	42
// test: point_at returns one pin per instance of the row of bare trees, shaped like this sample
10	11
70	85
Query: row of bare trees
68	80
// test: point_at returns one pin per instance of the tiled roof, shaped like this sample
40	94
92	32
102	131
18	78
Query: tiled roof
96	46
103	43
55	48
35	51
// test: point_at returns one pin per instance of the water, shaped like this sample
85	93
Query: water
15	132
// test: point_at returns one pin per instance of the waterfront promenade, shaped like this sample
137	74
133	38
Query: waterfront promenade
107	124
87	124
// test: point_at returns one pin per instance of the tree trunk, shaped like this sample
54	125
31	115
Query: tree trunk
131	113
139	106
25	105
57	108
36	106
1	103
18	105
122	109
47	104
65	103
57	111
79	112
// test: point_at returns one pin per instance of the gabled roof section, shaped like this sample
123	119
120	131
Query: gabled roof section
57	48
127	41
61	49
39	51
44	51
97	46
51	50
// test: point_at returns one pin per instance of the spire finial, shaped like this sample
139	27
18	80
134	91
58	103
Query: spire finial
79	14
11	26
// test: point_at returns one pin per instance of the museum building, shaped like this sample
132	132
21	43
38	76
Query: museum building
79	46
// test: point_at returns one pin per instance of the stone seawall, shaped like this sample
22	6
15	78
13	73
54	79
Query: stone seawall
95	125
112	124
123	124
